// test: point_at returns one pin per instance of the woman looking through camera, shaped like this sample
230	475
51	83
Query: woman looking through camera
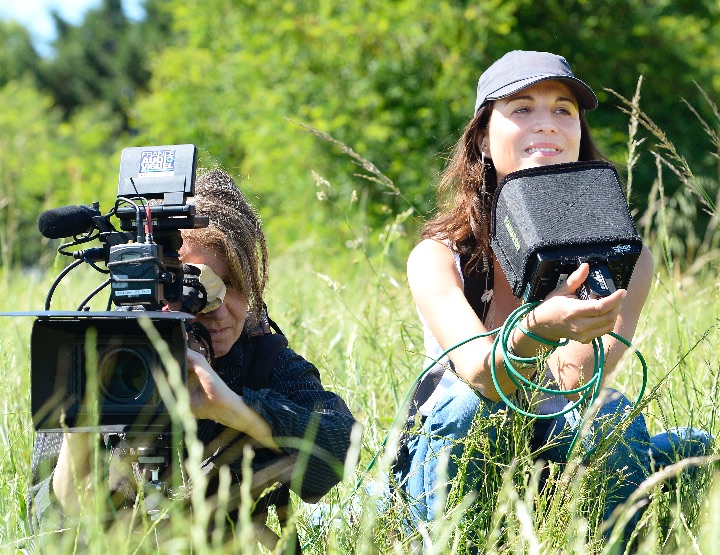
273	400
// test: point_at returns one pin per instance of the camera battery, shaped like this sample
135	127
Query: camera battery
598	284
135	277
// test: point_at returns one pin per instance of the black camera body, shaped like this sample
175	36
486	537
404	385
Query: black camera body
99	370
124	382
548	220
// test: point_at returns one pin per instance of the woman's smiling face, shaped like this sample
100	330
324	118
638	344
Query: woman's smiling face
539	125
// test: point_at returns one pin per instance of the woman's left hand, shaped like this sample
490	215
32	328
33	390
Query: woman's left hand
563	316
210	396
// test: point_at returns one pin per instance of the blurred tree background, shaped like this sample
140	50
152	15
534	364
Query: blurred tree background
246	81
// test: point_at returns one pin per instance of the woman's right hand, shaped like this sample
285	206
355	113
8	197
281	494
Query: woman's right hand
562	315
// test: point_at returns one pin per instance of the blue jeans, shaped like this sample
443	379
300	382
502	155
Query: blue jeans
632	455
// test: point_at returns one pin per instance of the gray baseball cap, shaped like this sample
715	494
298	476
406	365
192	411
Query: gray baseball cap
519	69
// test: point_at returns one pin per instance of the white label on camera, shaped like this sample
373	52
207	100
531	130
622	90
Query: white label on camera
157	162
133	293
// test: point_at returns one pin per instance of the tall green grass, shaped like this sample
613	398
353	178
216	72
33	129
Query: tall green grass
353	316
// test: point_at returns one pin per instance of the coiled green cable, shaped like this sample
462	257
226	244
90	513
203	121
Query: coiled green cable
502	337
588	391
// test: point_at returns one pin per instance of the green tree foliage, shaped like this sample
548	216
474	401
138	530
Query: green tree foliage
43	163
391	80
17	55
394	81
674	45
103	59
62	119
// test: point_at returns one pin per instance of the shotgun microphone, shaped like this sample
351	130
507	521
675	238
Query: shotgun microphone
67	221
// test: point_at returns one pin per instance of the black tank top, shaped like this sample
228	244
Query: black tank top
475	283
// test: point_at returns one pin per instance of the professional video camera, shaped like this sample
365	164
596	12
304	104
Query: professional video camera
548	220
146	279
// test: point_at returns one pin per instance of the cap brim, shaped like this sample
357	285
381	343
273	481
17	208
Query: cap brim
585	96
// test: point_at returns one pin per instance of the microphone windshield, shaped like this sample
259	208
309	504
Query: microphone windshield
66	221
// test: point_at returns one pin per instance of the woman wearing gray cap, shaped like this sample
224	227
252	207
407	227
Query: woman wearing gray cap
530	112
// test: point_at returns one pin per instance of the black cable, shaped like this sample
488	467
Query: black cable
61	275
94	292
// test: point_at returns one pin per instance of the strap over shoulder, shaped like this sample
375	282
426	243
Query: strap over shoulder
261	349
477	282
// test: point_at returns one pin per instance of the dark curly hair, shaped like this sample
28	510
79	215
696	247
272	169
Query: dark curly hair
235	231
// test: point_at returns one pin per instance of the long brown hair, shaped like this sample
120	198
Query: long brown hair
466	189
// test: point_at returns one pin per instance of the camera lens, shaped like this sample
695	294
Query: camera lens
124	375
